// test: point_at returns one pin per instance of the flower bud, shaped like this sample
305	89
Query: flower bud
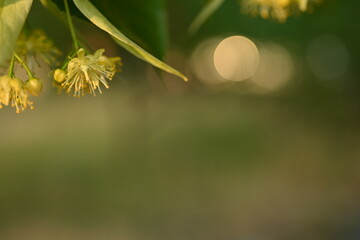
59	75
34	86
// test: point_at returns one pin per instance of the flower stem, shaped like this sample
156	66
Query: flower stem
12	65
68	59
28	71
71	25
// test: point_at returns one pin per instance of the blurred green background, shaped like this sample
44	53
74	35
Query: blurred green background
198	160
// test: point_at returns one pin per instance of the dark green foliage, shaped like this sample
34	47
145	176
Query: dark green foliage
143	21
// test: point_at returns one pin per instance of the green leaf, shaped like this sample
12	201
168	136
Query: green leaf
13	14
204	14
91	12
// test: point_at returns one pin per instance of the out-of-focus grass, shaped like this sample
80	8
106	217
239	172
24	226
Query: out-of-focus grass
135	166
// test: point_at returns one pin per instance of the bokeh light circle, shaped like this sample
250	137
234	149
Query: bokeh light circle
202	62
275	69
236	58
328	58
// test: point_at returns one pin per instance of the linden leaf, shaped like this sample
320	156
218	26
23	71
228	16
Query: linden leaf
13	14
94	15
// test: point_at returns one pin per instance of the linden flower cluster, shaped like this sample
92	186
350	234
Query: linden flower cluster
277	9
14	92
34	44
87	72
30	45
78	75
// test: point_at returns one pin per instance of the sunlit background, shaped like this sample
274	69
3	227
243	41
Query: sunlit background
263	143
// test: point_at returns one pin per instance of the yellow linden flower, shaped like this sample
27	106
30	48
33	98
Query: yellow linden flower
35	44
277	9
13	92
111	63
303	5
86	72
